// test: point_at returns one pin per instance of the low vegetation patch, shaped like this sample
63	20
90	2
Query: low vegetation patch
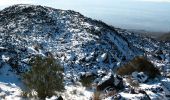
164	37
45	76
139	64
87	81
96	95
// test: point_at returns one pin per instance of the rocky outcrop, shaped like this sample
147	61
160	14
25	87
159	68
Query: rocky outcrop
139	76
110	80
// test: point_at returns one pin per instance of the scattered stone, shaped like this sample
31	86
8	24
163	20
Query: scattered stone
117	97
135	83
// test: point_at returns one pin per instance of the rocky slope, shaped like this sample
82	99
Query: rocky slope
81	44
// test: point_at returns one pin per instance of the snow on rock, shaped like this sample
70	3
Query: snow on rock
71	56
10	84
129	96
110	80
4	58
10	92
102	57
77	93
140	76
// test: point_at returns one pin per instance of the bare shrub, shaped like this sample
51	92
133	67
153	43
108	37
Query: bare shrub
139	64
96	95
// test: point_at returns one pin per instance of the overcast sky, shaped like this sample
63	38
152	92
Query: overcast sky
148	15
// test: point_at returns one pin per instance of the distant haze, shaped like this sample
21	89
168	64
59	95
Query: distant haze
148	15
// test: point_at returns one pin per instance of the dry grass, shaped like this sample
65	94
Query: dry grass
139	64
100	95
96	95
164	37
111	93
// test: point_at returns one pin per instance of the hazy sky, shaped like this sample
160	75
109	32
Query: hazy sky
150	15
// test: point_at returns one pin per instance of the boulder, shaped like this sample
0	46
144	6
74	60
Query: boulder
71	57
110	80
60	98
118	82
102	57
86	74
89	58
132	91
2	49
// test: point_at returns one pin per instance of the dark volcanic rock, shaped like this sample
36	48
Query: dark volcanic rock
60	98
110	81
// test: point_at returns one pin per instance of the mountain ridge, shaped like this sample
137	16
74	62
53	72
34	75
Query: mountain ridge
55	31
81	44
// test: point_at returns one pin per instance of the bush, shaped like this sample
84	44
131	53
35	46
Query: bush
87	81
139	64
45	76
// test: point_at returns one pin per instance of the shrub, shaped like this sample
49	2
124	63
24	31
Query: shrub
45	76
139	64
26	94
13	62
87	81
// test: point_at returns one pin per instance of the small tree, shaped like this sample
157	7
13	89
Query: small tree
45	76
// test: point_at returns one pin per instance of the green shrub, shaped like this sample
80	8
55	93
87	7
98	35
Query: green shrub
45	76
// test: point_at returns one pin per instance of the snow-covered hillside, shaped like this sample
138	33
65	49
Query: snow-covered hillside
83	45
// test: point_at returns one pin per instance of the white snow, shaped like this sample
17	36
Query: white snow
77	93
140	76
4	58
10	84
129	96
102	57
